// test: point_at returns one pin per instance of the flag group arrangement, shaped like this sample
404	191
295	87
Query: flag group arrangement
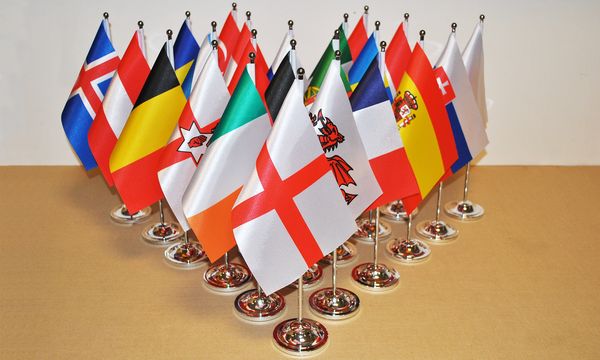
251	154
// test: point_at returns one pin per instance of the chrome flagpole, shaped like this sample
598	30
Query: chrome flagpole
437	231
465	210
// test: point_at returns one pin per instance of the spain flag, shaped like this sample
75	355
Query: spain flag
135	158
424	126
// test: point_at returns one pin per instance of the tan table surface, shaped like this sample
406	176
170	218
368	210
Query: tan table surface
523	283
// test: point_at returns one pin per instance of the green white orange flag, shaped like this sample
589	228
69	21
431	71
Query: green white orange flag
227	164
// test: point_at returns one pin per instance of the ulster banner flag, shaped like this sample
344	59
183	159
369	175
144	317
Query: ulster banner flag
294	198
134	161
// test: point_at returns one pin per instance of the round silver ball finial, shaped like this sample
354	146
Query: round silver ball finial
169	34
254	32
140	24
366	9
105	15
291	24
248	15
293	44
377	24
301	73
406	16
481	17
453	26
383	45
422	35
252	56
188	14
338	54
213	25
215	44
234	6
346	17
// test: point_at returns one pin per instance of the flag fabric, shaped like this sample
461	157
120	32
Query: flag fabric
284	49
185	53
118	102
331	116
227	164
424	126
397	56
467	125
359	36
229	35
203	53
135	158
261	68
280	84
188	142
318	75
293	197
238	53
473	57
377	127
364	59
88	92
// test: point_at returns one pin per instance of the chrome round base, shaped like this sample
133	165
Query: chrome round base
311	278
464	210
304	337
346	254
375	277
120	215
343	305
230	278
408	251
437	231
366	231
252	307
184	255
395	212
162	234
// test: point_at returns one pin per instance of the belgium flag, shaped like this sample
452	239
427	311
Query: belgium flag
134	160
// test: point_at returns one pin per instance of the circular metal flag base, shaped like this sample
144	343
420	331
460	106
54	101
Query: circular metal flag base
255	307
121	215
223	278
375	277
366	231
304	337
162	234
344	304
408	251
311	278
185	255
395	211
437	231
346	254
464	210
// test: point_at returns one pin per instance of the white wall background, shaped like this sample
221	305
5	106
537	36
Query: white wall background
542	62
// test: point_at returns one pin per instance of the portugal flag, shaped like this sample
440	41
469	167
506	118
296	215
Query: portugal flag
134	160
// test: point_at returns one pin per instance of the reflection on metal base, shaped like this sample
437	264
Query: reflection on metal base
346	253
343	305
375	277
252	307
395	211
408	251
311	277
188	255
366	231
437	231
120	215
304	337
162	234
225	278
464	210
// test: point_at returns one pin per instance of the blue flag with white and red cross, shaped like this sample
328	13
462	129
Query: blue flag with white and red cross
88	92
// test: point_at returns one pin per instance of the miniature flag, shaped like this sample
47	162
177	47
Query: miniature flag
229	36
135	158
331	116
118	102
397	57
467	126
473	57
377	127
284	49
364	59
201	58
261	80
189	140
238	53
227	164
359	37
185	53
86	96
281	83
424	126
289	214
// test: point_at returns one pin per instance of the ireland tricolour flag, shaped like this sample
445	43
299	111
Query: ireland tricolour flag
227	164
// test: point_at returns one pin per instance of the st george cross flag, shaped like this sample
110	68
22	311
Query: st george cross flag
377	127
397	57
461	106
135	158
229	36
261	68
281	83
424	126
358	38
118	102
364	59
227	164
473	57
289	213
185	52
86	96
188	142
284	48
331	116
238	53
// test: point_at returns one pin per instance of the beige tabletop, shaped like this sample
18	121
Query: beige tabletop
522	283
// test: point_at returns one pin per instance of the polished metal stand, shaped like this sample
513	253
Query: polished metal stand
121	215
161	233
334	303
254	305
395	211
408	251
437	231
300	336
186	254
367	227
227	277
375	276
346	254
311	278
465	210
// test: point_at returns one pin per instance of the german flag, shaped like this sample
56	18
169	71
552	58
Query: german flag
135	158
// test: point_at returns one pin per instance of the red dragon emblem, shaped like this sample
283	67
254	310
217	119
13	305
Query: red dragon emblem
330	137
403	106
